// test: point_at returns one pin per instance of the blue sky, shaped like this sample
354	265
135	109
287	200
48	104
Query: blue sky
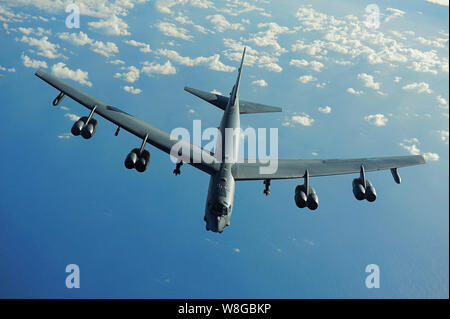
347	90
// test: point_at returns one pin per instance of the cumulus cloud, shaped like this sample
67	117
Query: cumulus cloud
354	92
107	49
130	75
143	47
221	24
421	87
150	68
369	81
112	26
72	117
349	36
444	136
413	149
442	102
171	30
132	89
252	57
393	13
303	119
80	38
325	109
261	83
61	70
45	48
35	64
376	119
314	65
213	62
440	2
307	78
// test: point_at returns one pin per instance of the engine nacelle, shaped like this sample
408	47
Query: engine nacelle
300	196
302	200
362	192
80	127
143	161
131	159
358	189
138	161
371	194
89	129
313	199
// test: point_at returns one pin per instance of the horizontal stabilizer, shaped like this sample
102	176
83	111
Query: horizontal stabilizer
221	102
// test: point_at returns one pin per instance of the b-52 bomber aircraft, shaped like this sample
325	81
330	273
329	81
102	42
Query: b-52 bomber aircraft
225	172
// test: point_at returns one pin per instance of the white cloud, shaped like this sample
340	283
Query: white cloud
221	24
325	109
60	70
107	49
442	102
236	250
131	75
314	65
397	79
261	83
143	47
112	25
72	117
349	36
132	89
80	38
117	61
269	37
306	78
171	30
213	62
150	68
64	136
35	64
414	150
376	119
369	81
421	87
303	119
440	2
444	136
431	156
394	14
252	56
45	48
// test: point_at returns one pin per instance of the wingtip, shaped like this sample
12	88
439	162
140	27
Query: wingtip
422	159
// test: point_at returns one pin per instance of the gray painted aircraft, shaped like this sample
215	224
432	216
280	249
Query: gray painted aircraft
226	169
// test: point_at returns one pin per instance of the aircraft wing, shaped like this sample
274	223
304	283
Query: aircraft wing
296	168
155	136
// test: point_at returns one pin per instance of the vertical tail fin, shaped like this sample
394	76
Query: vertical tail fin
235	90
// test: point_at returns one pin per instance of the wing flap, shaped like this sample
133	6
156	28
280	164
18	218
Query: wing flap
156	136
287	169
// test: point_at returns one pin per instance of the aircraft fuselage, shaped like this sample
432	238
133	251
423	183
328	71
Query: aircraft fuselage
219	203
